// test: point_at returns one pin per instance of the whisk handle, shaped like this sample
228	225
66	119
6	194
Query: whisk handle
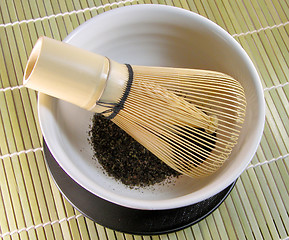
66	72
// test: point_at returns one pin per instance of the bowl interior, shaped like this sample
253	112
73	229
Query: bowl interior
159	36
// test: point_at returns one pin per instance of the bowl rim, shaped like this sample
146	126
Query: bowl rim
178	201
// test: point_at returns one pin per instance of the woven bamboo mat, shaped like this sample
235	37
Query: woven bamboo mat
31	207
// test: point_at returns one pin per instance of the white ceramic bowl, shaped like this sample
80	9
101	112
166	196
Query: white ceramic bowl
162	36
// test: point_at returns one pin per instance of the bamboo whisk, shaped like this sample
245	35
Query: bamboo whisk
190	119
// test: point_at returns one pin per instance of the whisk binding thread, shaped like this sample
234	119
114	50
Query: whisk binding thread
114	108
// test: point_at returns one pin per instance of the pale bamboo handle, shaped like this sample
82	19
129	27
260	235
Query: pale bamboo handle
66	72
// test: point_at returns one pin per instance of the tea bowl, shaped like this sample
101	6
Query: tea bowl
153	35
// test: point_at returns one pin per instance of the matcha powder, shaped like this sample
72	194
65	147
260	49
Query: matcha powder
124	158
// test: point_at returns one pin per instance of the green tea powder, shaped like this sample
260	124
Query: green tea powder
124	158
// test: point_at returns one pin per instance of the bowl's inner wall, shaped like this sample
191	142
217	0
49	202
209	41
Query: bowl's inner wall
179	41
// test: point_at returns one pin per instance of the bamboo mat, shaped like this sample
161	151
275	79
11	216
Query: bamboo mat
31	207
